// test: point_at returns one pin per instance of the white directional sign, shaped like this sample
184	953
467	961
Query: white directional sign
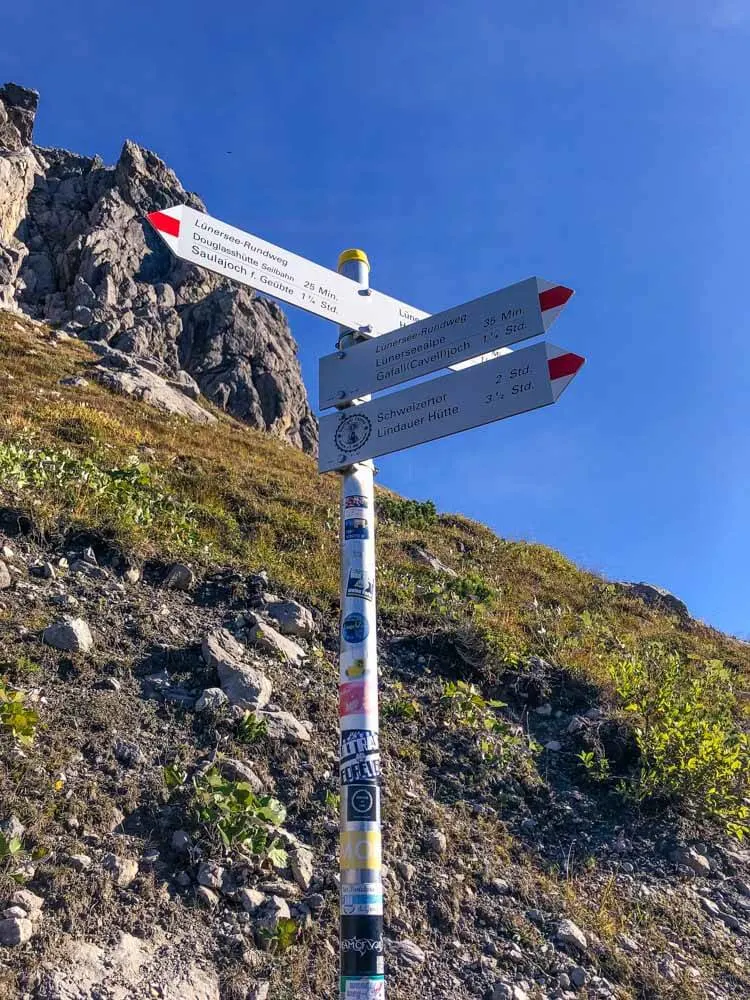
514	383
249	260
526	309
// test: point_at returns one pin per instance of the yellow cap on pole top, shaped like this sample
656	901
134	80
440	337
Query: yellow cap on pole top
353	255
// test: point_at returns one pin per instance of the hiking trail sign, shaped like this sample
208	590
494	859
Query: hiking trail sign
382	343
196	237
519	312
515	383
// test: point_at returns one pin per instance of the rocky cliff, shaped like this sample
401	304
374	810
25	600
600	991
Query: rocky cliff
76	252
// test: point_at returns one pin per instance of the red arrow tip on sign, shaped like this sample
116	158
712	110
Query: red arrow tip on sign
565	365
553	298
164	223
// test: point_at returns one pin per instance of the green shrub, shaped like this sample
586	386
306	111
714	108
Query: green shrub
16	717
409	513
692	752
241	819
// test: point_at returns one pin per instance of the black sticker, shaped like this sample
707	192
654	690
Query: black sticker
362	803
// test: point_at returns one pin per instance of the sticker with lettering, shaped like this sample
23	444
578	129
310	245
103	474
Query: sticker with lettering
360	584
355	528
360	850
362	803
365	899
354	628
357	698
360	757
361	944
360	988
353	432
355	502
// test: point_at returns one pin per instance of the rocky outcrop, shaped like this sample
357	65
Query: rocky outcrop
77	252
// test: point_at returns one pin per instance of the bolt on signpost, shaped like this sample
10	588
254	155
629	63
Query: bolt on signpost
383	343
361	882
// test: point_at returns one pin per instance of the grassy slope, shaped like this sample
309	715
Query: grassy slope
227	495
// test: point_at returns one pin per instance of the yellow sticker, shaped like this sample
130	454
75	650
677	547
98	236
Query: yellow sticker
360	849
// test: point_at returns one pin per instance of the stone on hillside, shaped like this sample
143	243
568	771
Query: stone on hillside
284	726
237	770
181	841
743	887
211	700
260	991
267	639
81	862
656	597
128	753
271	912
578	976
251	900
71	635
122	870
131	575
15	911
688	857
12	827
28	901
292	618
244	684
436	842
421	555
544	710
180	577
628	944
301	862
211	875
5	578
571	935
44	570
120	374
410	952
554	746
207	897
15	931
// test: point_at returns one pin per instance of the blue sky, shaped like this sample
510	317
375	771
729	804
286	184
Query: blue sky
466	146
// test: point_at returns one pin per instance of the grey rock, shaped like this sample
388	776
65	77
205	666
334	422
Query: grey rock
284	726
656	597
271	912
211	700
406	870
81	862
180	577
260	991
110	684
28	901
74	382
15	931
15	911
571	935
292	618
242	682
129	754
122	870
301	862
743	887
628	944
84	567
139	383
132	575
316	901
12	827
237	770
5	577
181	841
211	875
426	558
688	857
71	635
578	976
554	746
502	991
183	879
544	710
436	842
207	897
409	952
267	639
563	981
501	886
45	570
251	899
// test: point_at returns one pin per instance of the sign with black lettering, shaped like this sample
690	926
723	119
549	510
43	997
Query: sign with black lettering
196	237
518	312
517	382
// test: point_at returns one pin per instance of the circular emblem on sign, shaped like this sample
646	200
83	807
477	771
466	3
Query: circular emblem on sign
362	801
353	432
355	628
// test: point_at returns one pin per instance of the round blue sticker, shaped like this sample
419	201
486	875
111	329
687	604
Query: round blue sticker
355	628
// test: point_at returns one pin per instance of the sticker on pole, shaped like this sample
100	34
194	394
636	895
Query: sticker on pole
362	988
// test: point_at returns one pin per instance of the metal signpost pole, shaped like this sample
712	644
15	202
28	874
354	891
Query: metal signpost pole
361	882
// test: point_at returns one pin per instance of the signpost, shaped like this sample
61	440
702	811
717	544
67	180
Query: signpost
517	382
196	237
519	312
479	391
